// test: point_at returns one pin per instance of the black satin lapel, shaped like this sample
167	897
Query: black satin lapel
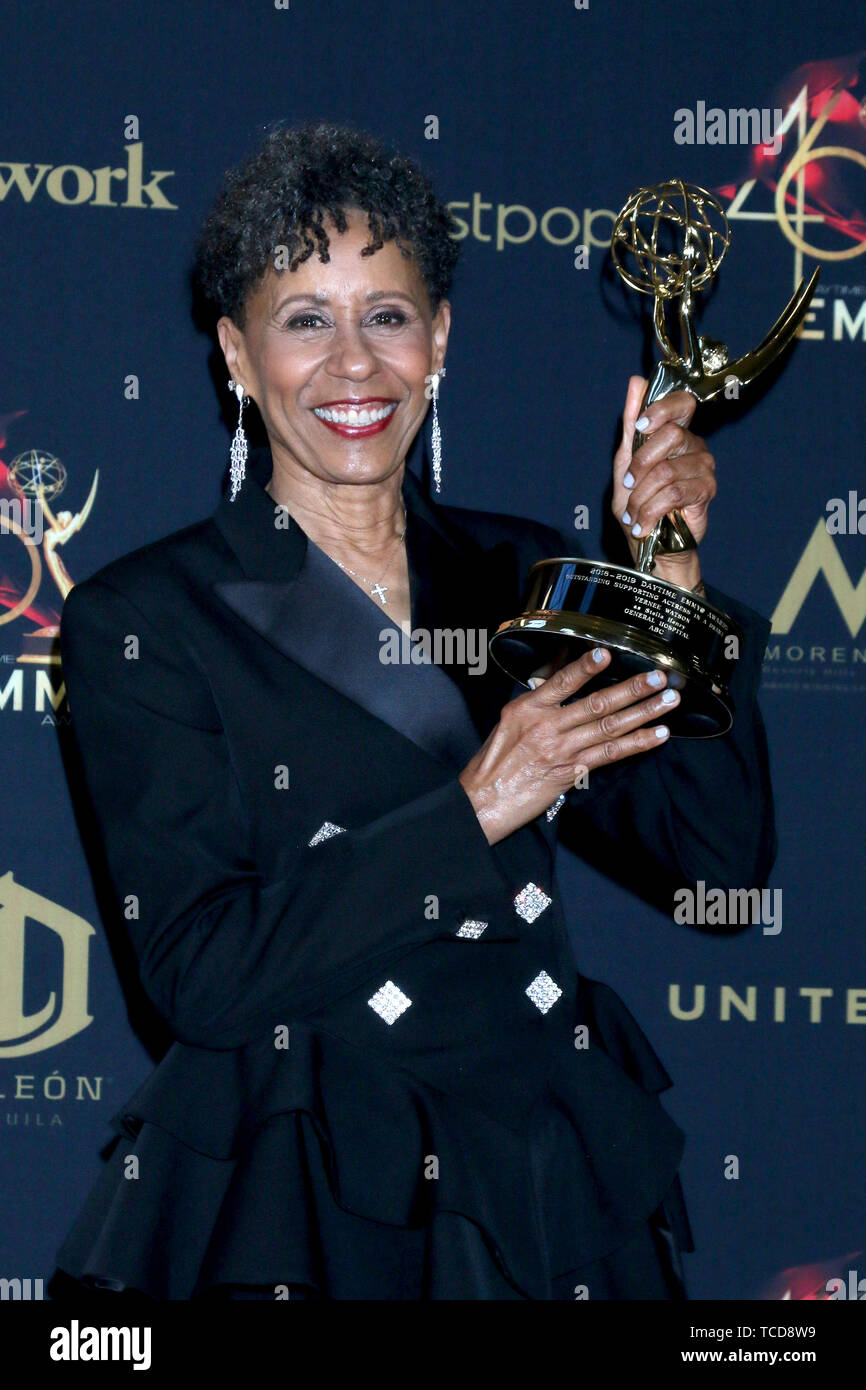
324	622
457	585
309	610
465	590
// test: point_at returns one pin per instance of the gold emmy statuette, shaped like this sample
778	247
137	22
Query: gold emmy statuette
35	477
668	241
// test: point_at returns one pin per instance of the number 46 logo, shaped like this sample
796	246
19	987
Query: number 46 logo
790	202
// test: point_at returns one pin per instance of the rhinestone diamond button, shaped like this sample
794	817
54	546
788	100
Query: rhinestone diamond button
472	929
543	991
389	1002
326	832
531	902
556	807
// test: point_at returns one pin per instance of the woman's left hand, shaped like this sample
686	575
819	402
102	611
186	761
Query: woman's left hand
672	470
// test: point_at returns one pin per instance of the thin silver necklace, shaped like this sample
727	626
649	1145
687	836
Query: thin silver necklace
376	588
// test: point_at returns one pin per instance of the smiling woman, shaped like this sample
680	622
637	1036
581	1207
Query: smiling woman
346	351
374	330
345	344
387	1078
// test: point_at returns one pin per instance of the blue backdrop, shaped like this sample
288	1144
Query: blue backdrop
546	118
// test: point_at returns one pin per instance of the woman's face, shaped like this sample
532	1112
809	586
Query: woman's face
356	333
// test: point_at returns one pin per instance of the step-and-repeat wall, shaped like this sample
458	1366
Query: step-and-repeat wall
535	122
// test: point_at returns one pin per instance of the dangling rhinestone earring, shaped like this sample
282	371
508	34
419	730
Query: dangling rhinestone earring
436	437
239	443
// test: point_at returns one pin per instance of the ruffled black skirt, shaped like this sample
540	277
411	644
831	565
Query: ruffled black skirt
191	1231
270	1191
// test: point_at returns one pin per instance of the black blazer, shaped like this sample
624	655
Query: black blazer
286	837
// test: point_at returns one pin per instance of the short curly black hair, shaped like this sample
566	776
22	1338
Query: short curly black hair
280	196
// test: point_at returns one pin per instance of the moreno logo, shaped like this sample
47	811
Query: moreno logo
822	557
72	185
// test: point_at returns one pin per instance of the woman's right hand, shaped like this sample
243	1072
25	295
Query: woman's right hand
540	748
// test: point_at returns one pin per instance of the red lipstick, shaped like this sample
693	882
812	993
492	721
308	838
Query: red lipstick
356	431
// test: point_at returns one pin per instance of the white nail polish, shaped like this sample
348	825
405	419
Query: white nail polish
598	654
669	697
628	480
642	423
635	530
654	678
626	519
661	731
